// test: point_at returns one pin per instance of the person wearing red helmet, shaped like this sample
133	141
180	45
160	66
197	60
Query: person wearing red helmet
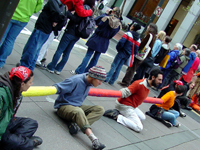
170	87
164	110
182	100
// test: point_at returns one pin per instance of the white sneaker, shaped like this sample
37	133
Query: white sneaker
51	71
56	72
177	125
73	72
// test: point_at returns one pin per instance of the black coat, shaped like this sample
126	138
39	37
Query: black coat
52	12
73	23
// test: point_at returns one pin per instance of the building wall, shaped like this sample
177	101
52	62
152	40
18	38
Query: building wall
179	15
185	31
193	33
187	25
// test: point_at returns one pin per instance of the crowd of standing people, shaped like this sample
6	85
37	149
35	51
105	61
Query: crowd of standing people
154	65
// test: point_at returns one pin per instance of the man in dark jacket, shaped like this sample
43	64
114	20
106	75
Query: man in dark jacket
52	18
128	44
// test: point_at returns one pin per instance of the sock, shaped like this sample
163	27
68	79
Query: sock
92	137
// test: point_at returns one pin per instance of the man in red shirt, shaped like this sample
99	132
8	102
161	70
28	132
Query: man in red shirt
127	112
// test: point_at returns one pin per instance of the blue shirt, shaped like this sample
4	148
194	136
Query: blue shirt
156	47
72	91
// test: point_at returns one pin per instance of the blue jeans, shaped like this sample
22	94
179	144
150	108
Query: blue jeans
65	46
8	40
170	116
32	48
116	66
82	67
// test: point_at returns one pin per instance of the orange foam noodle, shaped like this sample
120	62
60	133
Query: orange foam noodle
113	93
153	100
104	93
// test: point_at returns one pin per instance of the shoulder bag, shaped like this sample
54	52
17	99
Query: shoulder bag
142	54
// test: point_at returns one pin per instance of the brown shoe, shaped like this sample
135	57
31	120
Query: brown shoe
122	84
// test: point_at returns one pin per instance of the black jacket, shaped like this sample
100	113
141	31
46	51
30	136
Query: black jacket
170	87
73	23
53	11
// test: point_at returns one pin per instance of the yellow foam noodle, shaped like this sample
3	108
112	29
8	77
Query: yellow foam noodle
40	91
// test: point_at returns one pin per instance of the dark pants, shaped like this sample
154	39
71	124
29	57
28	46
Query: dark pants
140	72
173	75
177	105
18	133
184	101
130	71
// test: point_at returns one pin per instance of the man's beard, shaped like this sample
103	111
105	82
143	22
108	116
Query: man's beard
154	84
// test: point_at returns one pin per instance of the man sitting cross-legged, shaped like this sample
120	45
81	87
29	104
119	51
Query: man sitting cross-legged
127	112
72	92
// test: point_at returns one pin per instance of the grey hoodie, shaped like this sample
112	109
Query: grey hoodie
184	60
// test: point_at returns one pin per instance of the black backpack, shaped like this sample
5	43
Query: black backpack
161	55
86	26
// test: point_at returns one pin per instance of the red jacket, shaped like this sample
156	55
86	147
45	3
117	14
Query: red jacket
77	5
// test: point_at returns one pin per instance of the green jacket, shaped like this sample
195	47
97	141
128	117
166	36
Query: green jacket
26	8
6	108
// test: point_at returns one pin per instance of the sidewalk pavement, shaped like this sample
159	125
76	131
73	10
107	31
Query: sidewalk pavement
54	132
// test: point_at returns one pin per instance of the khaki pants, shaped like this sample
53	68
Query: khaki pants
84	115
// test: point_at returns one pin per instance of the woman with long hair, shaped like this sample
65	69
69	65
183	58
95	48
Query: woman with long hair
151	29
16	132
140	72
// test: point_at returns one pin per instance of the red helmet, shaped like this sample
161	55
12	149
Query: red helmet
178	82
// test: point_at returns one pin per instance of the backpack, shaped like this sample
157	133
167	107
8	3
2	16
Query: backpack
161	55
176	63
142	54
86	26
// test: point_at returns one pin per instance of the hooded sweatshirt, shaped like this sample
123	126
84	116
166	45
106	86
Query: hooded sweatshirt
172	56
184	60
4	79
6	105
192	58
127	41
26	8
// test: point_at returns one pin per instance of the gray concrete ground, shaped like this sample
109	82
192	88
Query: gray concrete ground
54	131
